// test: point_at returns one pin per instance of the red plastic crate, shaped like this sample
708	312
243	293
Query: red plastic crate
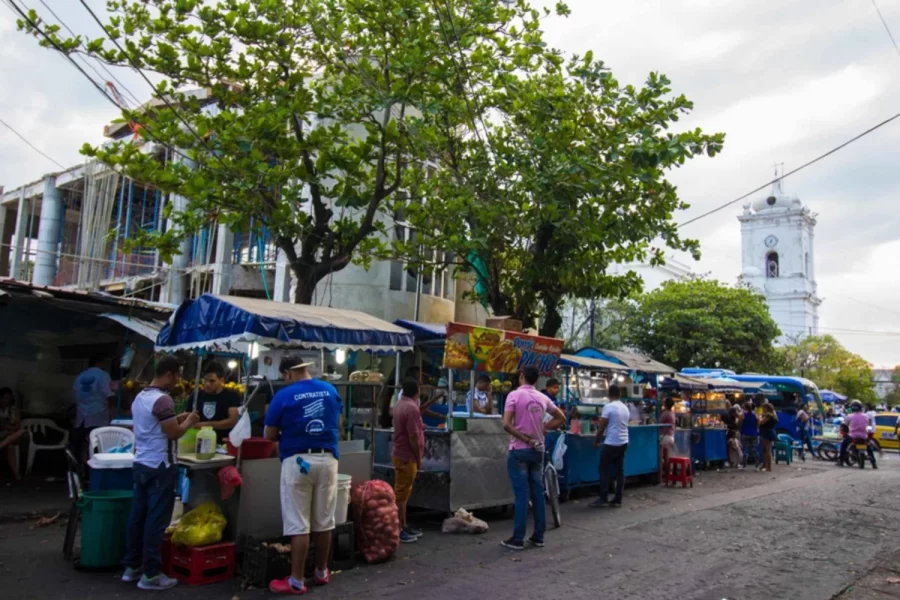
199	566
167	555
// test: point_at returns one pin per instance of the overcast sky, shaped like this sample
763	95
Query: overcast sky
786	81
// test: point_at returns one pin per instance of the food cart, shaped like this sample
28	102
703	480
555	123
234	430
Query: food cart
227	323
587	380
465	455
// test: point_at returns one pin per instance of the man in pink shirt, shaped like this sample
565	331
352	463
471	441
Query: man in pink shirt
523	419
858	424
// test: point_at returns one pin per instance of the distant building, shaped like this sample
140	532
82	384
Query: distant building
654	276
778	255
883	383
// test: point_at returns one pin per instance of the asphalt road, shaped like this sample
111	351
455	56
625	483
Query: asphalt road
810	531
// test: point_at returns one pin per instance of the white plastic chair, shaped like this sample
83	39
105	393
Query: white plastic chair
106	439
40	427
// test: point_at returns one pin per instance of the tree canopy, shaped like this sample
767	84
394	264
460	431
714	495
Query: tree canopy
564	175
704	323
306	118
825	361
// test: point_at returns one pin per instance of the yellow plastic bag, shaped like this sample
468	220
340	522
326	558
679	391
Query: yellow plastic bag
200	527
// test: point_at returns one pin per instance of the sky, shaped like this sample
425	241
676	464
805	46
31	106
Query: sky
786	81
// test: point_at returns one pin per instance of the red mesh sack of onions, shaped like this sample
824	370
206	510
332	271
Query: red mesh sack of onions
377	522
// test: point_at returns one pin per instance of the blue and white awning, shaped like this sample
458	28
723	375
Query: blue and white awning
215	320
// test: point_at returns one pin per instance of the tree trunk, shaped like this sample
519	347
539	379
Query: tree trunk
552	321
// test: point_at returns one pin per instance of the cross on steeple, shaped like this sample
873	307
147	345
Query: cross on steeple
776	185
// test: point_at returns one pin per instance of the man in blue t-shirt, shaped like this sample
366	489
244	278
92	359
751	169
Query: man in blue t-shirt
304	418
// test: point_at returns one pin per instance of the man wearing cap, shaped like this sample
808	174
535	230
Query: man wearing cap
304	418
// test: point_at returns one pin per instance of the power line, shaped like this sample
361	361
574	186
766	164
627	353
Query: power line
888	310
886	28
797	170
86	61
30	145
147	79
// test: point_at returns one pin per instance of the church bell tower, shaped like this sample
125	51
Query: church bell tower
778	255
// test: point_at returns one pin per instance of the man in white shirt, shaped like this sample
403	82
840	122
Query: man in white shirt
614	424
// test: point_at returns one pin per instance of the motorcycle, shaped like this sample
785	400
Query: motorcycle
858	453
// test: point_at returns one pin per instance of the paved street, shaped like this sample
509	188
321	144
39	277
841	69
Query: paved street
805	532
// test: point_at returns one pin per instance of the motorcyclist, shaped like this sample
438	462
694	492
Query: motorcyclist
857	424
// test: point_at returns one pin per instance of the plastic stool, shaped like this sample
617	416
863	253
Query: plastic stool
783	452
206	564
680	470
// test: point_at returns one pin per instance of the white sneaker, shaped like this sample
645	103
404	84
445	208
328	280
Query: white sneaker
131	574
160	582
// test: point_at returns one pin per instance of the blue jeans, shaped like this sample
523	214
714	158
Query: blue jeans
151	512
805	440
524	468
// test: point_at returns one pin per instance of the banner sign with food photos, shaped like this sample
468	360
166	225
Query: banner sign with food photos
497	351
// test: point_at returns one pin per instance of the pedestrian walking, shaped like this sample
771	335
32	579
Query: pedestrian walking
409	448
667	437
802	421
613	429
767	425
304	418
523	420
733	436
750	436
156	431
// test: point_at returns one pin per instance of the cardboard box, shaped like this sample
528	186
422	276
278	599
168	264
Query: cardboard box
507	323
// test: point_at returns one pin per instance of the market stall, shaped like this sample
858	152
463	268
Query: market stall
465	455
256	327
586	383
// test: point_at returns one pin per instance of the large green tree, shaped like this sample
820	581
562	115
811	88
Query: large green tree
316	114
704	323
566	176
831	366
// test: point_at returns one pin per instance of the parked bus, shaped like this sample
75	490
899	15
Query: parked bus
787	394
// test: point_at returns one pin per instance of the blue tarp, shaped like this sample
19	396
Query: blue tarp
424	332
831	397
214	320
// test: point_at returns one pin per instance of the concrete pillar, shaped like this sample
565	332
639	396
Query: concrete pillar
223	266
19	238
174	289
281	291
52	210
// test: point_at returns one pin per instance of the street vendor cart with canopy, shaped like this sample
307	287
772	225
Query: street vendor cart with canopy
234	323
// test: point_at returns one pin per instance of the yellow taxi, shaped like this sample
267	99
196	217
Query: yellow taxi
885	423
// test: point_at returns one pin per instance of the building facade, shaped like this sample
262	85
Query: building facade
778	256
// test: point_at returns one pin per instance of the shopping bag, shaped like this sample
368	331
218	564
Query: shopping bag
241	429
559	451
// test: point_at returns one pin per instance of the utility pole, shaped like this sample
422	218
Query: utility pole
593	318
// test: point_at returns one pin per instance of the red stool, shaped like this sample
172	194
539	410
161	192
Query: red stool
206	564
680	470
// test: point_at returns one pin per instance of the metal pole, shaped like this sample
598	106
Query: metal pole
450	400
200	354
593	317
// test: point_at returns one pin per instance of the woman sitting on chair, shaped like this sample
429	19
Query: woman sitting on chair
11	431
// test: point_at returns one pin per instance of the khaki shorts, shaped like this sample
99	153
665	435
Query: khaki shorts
667	442
404	477
308	501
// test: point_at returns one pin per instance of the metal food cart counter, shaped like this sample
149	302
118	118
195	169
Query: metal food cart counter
581	463
460	469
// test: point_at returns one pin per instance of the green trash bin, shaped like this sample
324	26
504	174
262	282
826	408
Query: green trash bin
104	527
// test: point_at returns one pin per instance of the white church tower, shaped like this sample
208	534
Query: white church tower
777	235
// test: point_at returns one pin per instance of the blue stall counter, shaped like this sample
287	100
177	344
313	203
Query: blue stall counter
581	464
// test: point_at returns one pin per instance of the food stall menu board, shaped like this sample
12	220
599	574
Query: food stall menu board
498	351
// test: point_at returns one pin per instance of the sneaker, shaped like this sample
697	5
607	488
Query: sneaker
413	532
132	574
406	538
160	582
740	467
284	586
598	503
535	542
322	579
615	505
513	544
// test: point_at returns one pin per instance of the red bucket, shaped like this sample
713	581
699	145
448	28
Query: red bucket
253	448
